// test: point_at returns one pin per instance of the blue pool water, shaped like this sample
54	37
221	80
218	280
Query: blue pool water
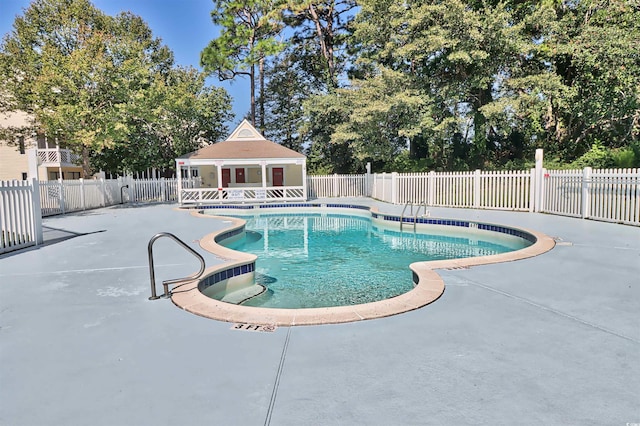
324	260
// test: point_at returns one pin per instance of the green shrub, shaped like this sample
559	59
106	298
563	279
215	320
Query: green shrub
598	157
624	158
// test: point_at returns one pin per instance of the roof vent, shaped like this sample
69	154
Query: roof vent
245	133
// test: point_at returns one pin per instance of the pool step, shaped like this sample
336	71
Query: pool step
239	296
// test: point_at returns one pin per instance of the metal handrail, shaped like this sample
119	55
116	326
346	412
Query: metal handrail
408	203
176	280
415	217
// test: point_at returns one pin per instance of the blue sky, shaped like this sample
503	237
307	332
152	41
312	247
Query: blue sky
183	25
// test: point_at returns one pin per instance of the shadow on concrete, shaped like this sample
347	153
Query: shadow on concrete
55	235
51	236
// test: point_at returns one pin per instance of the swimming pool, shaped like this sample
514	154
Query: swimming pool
315	260
238	269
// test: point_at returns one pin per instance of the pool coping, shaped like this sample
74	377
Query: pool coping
429	288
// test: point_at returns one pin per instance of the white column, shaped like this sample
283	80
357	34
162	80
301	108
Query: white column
263	165
59	156
304	183
179	173
219	170
32	158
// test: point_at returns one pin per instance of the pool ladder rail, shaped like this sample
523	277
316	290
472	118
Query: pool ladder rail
422	205
166	283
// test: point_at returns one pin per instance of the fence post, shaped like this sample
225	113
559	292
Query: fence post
374	186
394	189
61	196
335	185
538	187
37	211
477	196
367	182
431	188
104	192
130	182
586	193
163	190
82	198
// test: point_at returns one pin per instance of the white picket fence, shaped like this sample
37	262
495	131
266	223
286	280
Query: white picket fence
20	221
504	190
323	186
611	195
59	197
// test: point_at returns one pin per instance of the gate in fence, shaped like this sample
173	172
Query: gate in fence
20	220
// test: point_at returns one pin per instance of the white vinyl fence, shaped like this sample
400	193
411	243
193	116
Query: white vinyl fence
20	220
59	197
504	190
611	195
323	186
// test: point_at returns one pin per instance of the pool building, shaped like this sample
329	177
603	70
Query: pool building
244	167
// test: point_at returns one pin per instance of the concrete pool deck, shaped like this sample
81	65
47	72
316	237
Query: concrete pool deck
553	339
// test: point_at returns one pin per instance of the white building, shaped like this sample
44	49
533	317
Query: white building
244	167
32	155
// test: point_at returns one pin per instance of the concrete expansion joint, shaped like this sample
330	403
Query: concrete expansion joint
276	384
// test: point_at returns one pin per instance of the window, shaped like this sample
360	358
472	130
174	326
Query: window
42	141
245	133
21	145
24	176
71	175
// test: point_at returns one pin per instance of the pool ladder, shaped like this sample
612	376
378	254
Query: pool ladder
418	206
176	280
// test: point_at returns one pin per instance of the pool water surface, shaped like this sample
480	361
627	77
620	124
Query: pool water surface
327	260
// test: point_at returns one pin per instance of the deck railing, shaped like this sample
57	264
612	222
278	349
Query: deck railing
56	156
242	194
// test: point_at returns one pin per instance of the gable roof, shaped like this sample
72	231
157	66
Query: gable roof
245	142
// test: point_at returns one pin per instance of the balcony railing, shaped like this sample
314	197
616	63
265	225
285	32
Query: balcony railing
57	156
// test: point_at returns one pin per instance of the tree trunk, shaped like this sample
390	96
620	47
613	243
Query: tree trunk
261	67
325	35
253	95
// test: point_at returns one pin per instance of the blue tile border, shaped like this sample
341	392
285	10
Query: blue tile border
225	235
225	274
386	217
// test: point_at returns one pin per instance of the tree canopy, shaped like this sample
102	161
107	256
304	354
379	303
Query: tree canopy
411	85
459	85
106	87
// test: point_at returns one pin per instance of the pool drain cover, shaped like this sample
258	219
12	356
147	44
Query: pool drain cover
254	327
